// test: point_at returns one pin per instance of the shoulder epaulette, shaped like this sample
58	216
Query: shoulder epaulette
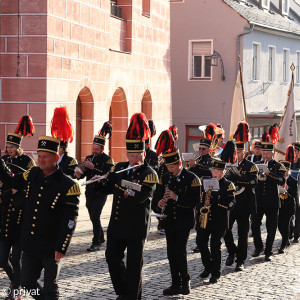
31	164
282	168
110	161
196	182
74	190
26	173
73	162
254	168
231	187
151	178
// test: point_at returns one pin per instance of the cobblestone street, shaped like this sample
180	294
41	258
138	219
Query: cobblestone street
85	275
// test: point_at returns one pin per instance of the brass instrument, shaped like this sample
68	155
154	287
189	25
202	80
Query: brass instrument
81	165
235	170
261	174
283	194
205	210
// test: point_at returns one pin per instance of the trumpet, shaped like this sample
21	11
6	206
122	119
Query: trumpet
81	165
283	194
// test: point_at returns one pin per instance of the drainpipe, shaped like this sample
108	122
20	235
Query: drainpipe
239	43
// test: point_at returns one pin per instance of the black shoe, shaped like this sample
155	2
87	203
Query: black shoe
296	240
172	290
93	248
268	257
186	289
196	250
229	259
257	252
281	251
213	279
205	273
239	267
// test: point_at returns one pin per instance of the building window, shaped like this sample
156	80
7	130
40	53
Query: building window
271	64
265	4
193	135
257	131
285	65
200	67
255	61
285	7
146	8
298	68
115	9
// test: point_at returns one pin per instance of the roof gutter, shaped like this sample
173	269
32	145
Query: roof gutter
239	43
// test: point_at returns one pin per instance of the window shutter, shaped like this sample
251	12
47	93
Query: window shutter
202	48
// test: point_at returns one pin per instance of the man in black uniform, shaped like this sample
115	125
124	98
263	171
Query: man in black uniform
177	194
256	152
201	166
268	202
15	158
130	217
244	177
296	166
66	162
98	163
151	157
287	206
219	203
50	213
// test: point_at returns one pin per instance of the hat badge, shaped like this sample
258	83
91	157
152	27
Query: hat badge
10	137
43	143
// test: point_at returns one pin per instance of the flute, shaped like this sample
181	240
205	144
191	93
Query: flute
93	180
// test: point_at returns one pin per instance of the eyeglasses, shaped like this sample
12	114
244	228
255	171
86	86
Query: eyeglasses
200	148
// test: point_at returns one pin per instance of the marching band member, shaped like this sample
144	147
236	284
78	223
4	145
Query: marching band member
256	151
98	163
130	217
287	206
296	166
244	178
65	162
151	157
177	194
219	202
268	202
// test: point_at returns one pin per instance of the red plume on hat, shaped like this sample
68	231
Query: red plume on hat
106	130
210	131
138	127
165	143
265	137
61	126
221	135
174	131
274	134
229	153
290	154
152	128
242	133
25	126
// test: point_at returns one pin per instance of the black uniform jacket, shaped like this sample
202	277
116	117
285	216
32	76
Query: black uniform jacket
267	195
288	205
202	167
130	216
254	158
221	202
152	159
162	170
102	164
245	203
50	210
24	161
180	213
68	164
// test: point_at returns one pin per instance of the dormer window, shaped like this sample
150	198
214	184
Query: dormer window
265	4
284	7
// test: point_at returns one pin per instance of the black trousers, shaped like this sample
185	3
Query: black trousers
284	220
211	259
243	229
10	261
271	225
32	266
126	279
297	223
95	203
177	255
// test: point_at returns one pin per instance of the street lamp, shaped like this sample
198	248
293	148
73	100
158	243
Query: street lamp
214	62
